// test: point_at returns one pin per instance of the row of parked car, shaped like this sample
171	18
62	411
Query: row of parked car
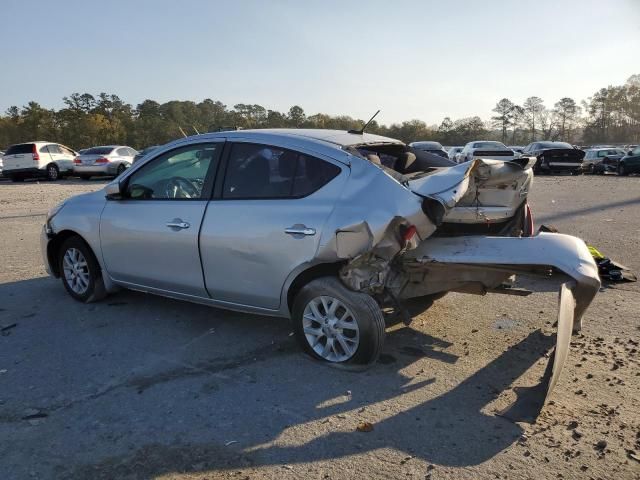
54	161
551	157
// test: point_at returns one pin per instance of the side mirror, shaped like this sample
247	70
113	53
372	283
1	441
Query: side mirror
115	190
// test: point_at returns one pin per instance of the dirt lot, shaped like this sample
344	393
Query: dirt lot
144	387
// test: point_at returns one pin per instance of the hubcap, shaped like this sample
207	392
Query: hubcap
53	173
330	329
76	270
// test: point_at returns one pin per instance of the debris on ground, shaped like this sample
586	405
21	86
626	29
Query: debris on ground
365	427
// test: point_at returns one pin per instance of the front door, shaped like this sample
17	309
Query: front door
150	237
265	220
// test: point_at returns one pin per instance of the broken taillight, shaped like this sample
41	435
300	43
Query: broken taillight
410	238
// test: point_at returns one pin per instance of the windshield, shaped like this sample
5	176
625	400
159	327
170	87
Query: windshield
489	145
555	145
99	151
427	145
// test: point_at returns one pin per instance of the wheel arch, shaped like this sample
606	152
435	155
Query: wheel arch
53	249
306	275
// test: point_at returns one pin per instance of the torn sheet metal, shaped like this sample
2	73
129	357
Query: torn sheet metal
474	259
368	217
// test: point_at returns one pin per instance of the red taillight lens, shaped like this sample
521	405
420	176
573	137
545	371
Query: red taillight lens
36	156
77	161
527	229
102	160
410	238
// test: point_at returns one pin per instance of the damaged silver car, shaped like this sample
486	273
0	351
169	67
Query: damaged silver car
329	228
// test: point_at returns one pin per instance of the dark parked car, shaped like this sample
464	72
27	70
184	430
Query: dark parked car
143	152
431	147
555	157
600	160
630	163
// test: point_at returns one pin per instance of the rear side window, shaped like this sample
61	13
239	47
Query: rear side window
260	171
123	152
51	148
20	149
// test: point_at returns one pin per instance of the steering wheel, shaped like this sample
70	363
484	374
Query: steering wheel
180	187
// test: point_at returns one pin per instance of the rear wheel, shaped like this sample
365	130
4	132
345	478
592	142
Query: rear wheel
121	168
337	325
622	170
52	172
80	271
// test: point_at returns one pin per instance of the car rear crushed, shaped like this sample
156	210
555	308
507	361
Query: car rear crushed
463	200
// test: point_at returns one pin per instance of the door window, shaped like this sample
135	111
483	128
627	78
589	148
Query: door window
182	174
260	171
54	149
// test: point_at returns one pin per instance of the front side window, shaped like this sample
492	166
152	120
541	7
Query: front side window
260	171
176	175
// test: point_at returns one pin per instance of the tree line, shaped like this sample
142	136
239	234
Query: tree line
611	115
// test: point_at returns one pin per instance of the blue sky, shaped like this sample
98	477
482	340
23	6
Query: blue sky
412	59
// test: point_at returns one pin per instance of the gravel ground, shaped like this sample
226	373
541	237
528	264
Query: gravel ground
138	386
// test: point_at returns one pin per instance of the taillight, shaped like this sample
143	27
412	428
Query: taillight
34	152
410	238
102	160
77	161
527	228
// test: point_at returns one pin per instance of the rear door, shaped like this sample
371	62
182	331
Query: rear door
150	238
66	158
265	220
52	153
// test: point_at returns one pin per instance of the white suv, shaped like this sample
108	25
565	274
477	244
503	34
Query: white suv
38	159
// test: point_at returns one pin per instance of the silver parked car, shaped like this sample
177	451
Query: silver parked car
108	160
303	224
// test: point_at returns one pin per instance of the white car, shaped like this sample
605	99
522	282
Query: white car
486	149
454	154
38	160
108	160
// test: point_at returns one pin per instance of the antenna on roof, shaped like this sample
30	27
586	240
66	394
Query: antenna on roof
182	131
194	127
361	131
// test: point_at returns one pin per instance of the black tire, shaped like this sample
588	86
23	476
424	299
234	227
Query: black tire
17	179
592	169
121	168
53	172
366	312
85	177
95	289
622	170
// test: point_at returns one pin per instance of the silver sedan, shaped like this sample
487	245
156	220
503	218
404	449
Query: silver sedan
108	160
313	226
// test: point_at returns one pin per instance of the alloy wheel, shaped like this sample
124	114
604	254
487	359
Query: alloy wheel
76	270
331	329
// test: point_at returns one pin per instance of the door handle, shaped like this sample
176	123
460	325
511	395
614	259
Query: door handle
177	223
300	230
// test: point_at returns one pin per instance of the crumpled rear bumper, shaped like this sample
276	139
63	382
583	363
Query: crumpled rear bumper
559	255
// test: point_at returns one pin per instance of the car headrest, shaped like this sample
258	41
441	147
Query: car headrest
405	160
373	158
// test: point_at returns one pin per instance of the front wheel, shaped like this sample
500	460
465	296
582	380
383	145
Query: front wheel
338	325
80	272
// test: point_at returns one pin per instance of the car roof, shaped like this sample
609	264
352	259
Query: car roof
335	137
